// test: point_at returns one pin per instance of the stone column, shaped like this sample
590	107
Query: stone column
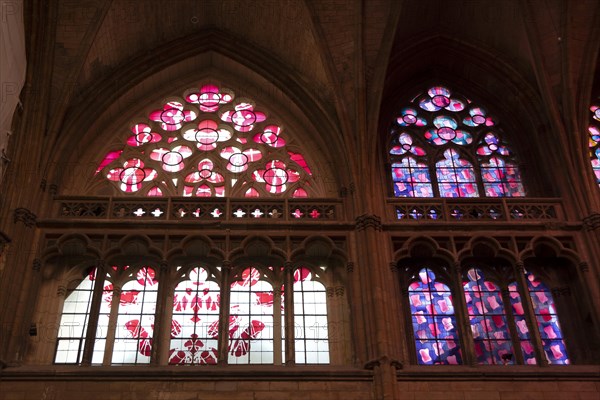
377	299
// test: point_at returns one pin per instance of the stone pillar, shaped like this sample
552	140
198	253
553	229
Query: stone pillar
378	299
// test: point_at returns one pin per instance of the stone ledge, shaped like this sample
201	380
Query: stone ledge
170	373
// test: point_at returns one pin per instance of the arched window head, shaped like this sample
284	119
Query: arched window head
594	142
207	143
433	320
444	135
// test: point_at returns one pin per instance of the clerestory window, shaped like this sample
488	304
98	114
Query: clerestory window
443	144
123	315
594	140
206	143
504	320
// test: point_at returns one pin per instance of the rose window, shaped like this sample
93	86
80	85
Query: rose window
207	143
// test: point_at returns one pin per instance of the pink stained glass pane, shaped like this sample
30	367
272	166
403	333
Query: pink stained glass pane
488	320
310	319
74	321
155	192
271	136
251	319
251	193
501	179
518	308
135	320
195	323
299	159
433	320
109	158
456	177
547	321
300	193
411	179
594	141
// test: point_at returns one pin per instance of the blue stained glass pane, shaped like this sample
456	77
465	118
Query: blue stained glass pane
445	121
491	351
501	179
434	323
411	179
555	351
487	318
427	105
452	172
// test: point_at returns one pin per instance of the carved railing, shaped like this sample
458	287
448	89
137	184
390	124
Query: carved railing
471	210
184	208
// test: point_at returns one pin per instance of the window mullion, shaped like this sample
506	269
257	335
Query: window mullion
94	314
530	314
518	352
225	293
290	339
162	319
461	312
112	325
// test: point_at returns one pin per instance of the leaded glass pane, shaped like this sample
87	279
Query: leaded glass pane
251	319
434	323
488	319
195	323
310	319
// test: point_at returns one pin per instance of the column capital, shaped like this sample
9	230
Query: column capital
383	360
365	221
584	266
592	222
25	216
350	266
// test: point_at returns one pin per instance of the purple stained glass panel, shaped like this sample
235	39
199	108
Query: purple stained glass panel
433	320
487	318
547	321
411	179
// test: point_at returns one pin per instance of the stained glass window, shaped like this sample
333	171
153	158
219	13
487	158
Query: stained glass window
547	321
594	141
206	143
310	319
433	320
256	319
251	319
444	134
455	176
488	320
135	320
74	321
195	323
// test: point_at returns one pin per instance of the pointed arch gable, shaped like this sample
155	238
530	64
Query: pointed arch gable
103	110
